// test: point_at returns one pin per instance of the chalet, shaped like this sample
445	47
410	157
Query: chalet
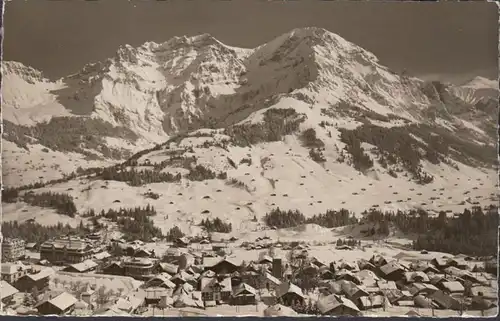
289	294
225	266
278	310
183	289
338	306
186	260
217	289
395	296
426	268
129	304
440	263
392	271
372	302
11	272
38	279
265	259
82	267
347	276
318	262
140	252
412	277
30	246
161	281
325	273
352	291
386	285
378	260
422	288
367	277
169	268
445	301
366	265
154	295
244	294
181	242
59	305
101	256
180	278
452	287
421	301
114	268
7	292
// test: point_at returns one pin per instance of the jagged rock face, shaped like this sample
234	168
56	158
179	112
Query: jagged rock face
187	83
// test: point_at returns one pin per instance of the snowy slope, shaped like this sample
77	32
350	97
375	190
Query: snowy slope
191	86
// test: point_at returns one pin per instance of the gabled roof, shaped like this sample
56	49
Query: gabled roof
207	284
453	286
244	289
391	267
63	301
412	276
84	266
271	278
333	301
164	281
288	287
387	285
7	290
169	268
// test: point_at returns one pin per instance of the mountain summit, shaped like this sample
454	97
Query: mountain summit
145	95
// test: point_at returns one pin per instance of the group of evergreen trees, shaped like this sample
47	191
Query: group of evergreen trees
63	203
32	232
201	173
276	124
69	134
472	232
360	160
135	223
216	225
284	219
174	233
138	178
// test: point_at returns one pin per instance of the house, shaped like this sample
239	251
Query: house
445	301
11	272
113	268
392	271
130	304
367	278
140	252
338	306
66	251
325	273
169	268
265	259
347	276
161	281
422	288
186	260
426	268
352	291
289	294
217	289
395	296
278	310
366	265
418	276
224	266
243	294
7	291
153	295
13	249
30	246
452	287
440	263
102	256
386	285
378	260
181	278
38	279
372	302
181	242
59	305
82	267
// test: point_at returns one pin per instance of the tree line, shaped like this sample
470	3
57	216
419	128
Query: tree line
32	232
62	203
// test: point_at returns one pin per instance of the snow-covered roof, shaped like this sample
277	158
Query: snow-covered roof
63	301
6	290
333	301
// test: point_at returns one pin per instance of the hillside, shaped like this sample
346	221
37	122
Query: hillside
308	121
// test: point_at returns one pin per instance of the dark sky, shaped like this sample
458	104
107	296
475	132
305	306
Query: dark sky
445	39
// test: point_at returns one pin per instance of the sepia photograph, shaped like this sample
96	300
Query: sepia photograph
249	158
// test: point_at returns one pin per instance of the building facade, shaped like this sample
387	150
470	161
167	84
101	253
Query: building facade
138	268
13	249
66	251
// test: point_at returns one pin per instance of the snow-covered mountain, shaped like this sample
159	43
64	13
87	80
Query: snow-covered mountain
285	124
478	89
